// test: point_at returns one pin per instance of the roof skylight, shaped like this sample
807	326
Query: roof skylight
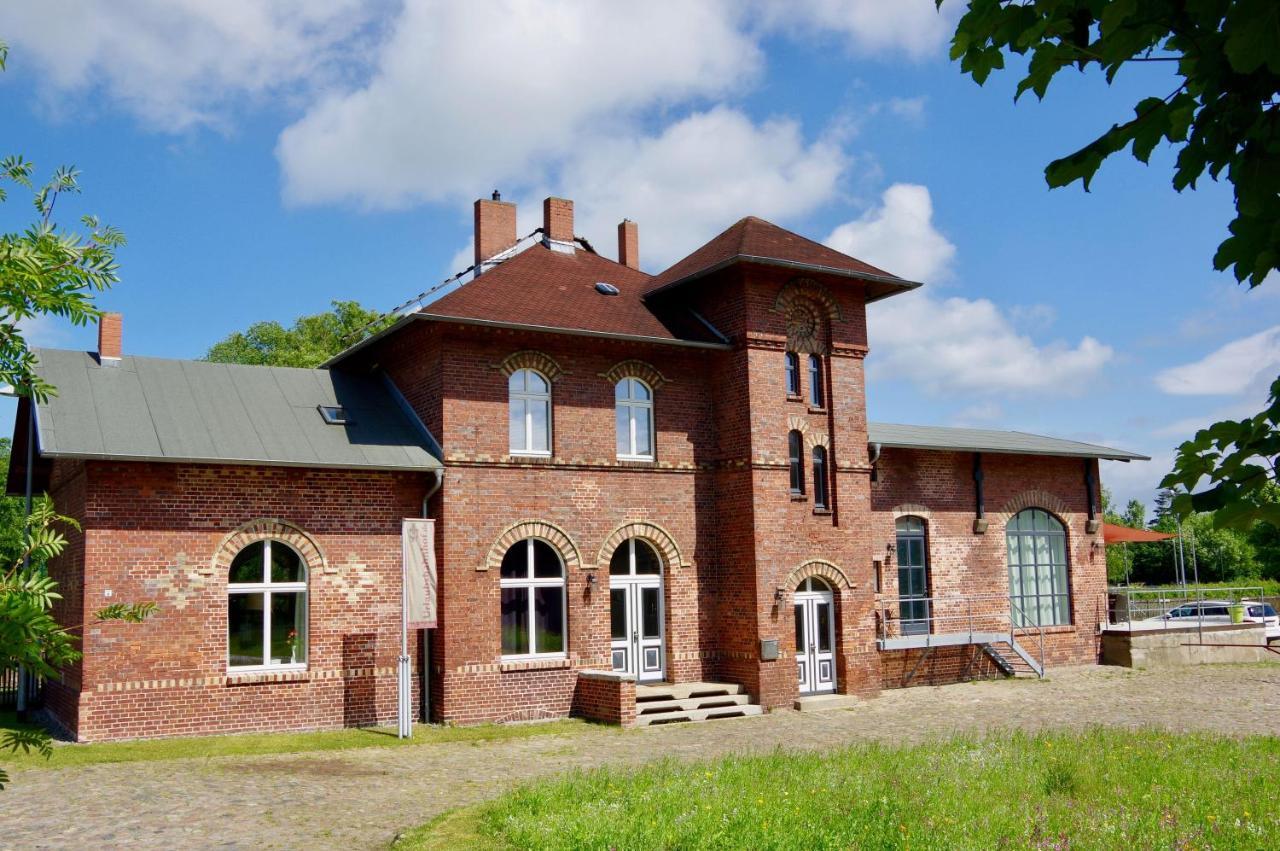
334	415
606	289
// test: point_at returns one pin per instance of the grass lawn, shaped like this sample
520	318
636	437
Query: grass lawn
251	744
1101	789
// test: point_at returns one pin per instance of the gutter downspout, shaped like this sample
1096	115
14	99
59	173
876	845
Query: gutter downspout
424	688
873	455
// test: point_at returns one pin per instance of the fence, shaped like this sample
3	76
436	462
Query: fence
1178	607
9	689
981	619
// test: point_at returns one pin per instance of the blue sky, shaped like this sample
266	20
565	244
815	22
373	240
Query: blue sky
267	156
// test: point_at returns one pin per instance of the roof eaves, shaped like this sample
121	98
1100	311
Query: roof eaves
254	462
367	341
901	284
575	332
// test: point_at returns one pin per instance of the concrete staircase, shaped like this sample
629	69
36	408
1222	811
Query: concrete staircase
669	703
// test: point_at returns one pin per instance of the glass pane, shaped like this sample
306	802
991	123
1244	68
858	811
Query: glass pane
824	628
548	620
1042	549
640	391
515	563
801	644
516	426
650	612
247	566
620	562
515	621
1059	544
546	562
539	440
620	390
515	384
244	629
618	613
644	445
288	635
917	552
534	382
623	426
646	559
1062	613
286	565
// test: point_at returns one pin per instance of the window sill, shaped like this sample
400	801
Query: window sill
1056	629
794	397
799	497
533	663
822	512
817	410
635	459
277	674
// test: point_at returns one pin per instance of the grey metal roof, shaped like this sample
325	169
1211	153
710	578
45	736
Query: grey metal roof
153	409
989	440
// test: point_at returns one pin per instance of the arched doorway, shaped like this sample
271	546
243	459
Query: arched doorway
635	611
815	636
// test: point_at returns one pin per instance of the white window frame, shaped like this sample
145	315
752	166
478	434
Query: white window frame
635	407
266	589
529	582
529	397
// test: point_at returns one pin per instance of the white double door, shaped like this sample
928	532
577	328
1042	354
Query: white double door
815	641
635	624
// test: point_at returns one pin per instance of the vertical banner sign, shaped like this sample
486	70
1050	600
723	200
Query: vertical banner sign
418	538
417	604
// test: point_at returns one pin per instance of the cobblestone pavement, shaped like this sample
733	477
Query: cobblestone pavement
363	798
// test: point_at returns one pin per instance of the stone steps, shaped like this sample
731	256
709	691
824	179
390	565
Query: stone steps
669	703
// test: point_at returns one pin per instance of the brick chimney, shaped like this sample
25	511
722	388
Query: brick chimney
557	224
629	244
495	227
110	331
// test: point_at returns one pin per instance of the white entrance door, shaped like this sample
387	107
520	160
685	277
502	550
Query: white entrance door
815	637
635	612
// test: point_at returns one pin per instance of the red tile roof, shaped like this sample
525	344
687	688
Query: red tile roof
554	289
753	238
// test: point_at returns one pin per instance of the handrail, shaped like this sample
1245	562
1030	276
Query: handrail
961	615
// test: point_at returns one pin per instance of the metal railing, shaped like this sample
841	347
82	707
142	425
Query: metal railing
969	619
1182	607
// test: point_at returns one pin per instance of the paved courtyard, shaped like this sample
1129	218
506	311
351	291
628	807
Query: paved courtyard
362	798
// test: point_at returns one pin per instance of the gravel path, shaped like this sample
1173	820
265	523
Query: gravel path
362	798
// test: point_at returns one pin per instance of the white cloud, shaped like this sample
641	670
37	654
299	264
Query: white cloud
181	63
898	236
915	27
471	95
1229	370
695	178
960	346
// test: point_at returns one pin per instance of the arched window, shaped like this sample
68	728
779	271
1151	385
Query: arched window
815	381
533	600
913	576
793	374
529	395
267	608
795	453
635	419
1038	587
820	499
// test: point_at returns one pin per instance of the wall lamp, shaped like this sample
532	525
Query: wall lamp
779	595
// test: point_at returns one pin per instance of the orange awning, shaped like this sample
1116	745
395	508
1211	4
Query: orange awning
1115	534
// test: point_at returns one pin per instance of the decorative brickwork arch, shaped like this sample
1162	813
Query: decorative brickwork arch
549	532
635	369
531	359
911	509
810	308
821	568
260	530
1037	499
643	529
800	424
807	290
817	438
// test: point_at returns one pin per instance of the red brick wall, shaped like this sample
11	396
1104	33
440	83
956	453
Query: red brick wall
67	490
152	532
607	699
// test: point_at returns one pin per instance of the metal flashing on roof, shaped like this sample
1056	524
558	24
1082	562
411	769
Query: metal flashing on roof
942	438
573	332
895	285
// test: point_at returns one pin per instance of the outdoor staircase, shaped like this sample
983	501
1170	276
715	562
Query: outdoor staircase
670	703
1012	659
1009	656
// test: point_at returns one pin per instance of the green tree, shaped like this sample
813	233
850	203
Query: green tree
1120	557
1265	537
308	343
11	513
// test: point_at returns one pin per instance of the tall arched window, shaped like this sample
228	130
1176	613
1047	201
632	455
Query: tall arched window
795	453
1038	586
267	608
529	395
634	418
533	600
820	499
815	381
793	374
913	575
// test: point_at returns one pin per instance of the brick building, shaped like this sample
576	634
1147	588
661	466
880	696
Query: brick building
641	483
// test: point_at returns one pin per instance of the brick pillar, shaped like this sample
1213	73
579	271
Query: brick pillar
557	220
110	335
629	244
495	227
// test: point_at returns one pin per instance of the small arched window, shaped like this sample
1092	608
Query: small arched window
267	608
1038	583
815	381
795	458
529	399
793	374
533	600
634	419
820	498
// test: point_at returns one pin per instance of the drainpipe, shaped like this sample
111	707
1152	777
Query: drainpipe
424	689
873	455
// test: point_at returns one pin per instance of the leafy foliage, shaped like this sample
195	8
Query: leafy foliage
1238	459
1223	116
308	343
